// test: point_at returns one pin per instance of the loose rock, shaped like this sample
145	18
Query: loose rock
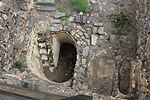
86	35
45	8
93	39
44	57
55	21
54	29
32	20
85	51
43	51
82	71
100	31
93	1
59	15
98	24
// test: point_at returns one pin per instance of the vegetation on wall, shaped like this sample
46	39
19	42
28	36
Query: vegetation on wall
80	5
67	14
119	21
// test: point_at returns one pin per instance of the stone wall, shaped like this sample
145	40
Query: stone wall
143	50
143	32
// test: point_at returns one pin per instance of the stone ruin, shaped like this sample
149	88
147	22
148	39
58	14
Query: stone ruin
70	58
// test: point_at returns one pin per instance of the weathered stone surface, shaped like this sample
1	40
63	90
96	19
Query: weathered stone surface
41	39
107	68
82	71
44	57
55	21
1	6
6	68
71	19
32	21
54	29
93	39
100	31
85	51
77	63
45	8
94	29
103	68
59	14
46	2
43	51
70	28
1	28
98	24
67	84
86	35
73	32
0	59
24	7
51	69
83	61
93	1
42	45
80	33
78	20
4	16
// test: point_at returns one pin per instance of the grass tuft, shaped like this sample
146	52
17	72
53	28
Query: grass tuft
80	5
18	64
119	20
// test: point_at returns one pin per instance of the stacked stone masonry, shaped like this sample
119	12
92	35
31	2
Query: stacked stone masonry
95	68
143	51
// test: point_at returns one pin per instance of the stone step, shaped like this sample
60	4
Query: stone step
45	8
45	2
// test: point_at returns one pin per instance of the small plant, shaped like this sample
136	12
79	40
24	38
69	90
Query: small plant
80	5
119	20
67	14
18	64
64	18
60	9
72	2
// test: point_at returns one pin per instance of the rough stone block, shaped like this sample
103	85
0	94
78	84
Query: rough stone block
45	8
59	15
85	51
45	2
93	39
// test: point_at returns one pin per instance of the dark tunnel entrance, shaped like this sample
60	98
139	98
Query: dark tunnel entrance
65	66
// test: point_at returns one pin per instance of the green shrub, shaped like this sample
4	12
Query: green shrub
64	18
18	64
119	20
73	2
80	5
67	14
60	9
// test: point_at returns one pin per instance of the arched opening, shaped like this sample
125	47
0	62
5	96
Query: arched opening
64	58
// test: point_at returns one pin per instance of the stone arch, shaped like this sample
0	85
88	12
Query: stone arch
63	57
